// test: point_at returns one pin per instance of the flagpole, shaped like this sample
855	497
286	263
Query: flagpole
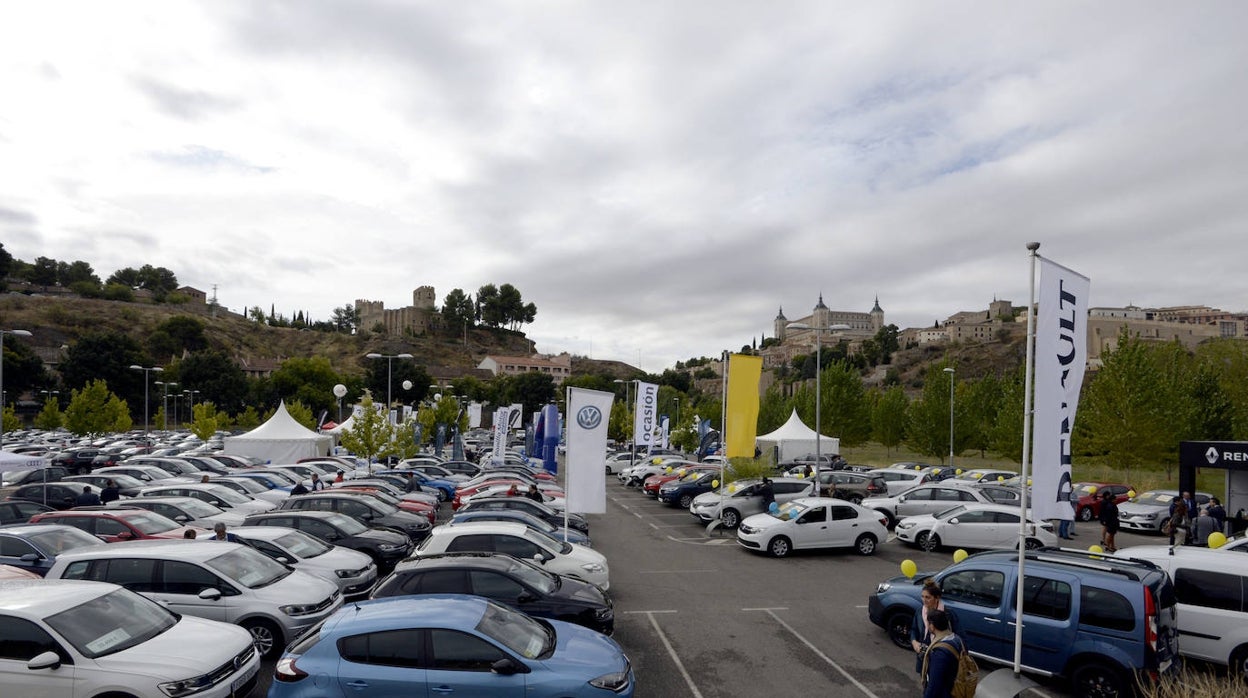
1022	524
723	418
567	400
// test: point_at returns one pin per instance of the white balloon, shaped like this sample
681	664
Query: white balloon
407	385
340	390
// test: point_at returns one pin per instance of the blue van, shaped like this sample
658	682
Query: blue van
1102	622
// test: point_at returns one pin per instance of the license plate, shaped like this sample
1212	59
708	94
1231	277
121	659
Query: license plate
238	683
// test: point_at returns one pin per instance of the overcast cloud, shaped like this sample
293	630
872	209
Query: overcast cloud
657	177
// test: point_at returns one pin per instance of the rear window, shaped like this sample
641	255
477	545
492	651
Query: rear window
1105	609
1047	598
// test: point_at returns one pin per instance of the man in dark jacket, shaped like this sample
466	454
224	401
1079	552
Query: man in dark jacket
110	493
940	665
768	492
1109	521
88	498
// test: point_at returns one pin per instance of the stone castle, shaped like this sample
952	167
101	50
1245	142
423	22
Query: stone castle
414	319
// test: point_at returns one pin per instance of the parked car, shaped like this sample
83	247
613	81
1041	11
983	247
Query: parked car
1149	511
1003	494
251	487
366	509
736	500
116	525
354	572
1090	497
443	489
985	475
813	522
507	580
126	485
931	498
76	460
184	510
899	480
216	495
386	546
1211	589
147	474
680	492
851	486
1103	622
92	639
467	645
522	542
220	581
10	573
538	509
34	547
975	526
11	479
654	483
20	512
557	532
57	495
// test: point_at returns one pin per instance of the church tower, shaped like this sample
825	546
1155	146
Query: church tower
782	323
822	317
877	316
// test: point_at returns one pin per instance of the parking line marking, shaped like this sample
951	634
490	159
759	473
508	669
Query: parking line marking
648	612
672	571
820	654
771	608
671	651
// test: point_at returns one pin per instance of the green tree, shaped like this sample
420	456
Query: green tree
888	419
458	310
489	307
76	272
445	412
382	376
215	375
6	267
927	419
345	319
178	334
1228	359
50	417
1006	437
309	381
95	410
23	369
43	273
248	419
107	356
301	413
514	310
9	418
983	402
845	409
773	410
204	421
370	432
531	389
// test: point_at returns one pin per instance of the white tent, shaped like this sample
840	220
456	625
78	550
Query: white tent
14	462
279	440
795	440
344	426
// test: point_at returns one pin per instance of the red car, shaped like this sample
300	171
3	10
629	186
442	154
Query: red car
1089	507
426	510
654	482
502	489
114	525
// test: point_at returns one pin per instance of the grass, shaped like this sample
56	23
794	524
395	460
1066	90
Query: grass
1142	479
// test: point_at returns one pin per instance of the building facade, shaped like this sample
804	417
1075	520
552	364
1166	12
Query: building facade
414	319
559	368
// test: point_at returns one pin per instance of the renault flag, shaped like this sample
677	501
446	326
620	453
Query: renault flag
502	416
646	416
588	413
1061	356
741	416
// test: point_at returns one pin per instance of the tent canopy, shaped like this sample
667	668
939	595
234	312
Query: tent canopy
795	439
279	440
13	462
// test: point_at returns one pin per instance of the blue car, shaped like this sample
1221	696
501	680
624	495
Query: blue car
445	644
444	488
556	532
270	481
34	547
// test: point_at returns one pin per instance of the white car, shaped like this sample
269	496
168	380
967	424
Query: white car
812	522
353	571
216	495
520	541
899	480
977	526
929	498
653	465
91	639
734	501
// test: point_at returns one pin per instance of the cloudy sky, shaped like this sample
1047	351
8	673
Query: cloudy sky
657	177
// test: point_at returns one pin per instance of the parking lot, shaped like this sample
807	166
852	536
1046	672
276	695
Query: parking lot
699	616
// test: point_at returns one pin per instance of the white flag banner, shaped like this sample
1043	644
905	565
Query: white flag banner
666	432
474	415
1061	357
515	416
646	414
588	414
501	418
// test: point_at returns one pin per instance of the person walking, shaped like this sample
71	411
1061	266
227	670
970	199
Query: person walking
940	661
1202	527
1180	524
110	493
1109	521
768	493
88	498
920	635
1218	513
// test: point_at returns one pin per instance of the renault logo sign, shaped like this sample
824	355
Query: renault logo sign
589	417
1211	455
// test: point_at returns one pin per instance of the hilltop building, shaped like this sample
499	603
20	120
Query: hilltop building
794	341
558	367
414	319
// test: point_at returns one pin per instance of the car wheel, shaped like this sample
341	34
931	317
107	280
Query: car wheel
1238	666
865	545
898	625
1096	680
779	546
443	496
730	518
266	637
931	543
685	501
921	540
855	499
1085	514
1032	544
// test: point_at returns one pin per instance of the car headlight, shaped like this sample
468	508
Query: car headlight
905	524
299	609
343	574
883	587
594	567
186	687
616	681
389	547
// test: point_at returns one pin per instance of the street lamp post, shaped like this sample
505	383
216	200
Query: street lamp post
389	374
951	374
632	446
190	403
16	333
340	390
165	400
818	389
147	374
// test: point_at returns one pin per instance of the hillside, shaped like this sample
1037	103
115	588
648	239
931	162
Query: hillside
57	321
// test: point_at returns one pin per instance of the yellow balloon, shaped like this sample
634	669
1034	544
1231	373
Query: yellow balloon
668	470
1029	482
1095	549
936	471
714	483
1217	539
958	471
1000	478
680	472
732	487
1092	489
1131	494
656	460
908	568
959	555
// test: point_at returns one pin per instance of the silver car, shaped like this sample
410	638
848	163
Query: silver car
222	581
353	571
187	511
932	498
1149	511
740	499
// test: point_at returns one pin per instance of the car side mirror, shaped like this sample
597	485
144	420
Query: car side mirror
526	597
282	560
901	499
125	535
44	660
210	594
505	666
539	559
30	557
954	520
182	519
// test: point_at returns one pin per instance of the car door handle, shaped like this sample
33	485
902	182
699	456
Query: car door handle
993	620
441	689
357	684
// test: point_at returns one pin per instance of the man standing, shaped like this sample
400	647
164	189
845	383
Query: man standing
88	498
940	663
768	493
316	483
110	493
1109	521
298	489
219	534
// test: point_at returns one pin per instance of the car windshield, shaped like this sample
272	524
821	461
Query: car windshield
247	484
152	523
1158	498
539	579
546	541
789	510
436	471
516	631
198	509
179	468
226	494
248	567
950	513
1085	488
116	621
59	540
282	479
740	488
346	524
303	545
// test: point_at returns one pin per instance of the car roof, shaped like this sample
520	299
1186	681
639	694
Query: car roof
1210	558
303	513
1088	563
431	610
106	512
475	560
35	528
178	548
264	532
47	597
135	503
511	527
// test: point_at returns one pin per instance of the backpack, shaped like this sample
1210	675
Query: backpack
968	671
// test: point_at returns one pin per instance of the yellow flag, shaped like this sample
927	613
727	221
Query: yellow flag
741	413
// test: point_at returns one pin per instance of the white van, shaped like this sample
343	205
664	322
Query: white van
1210	587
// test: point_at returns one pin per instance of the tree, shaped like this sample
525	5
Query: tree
370	432
50	417
215	375
95	410
301	413
385	377
927	419
845	409
9	418
178	334
983	402
446	413
346	319
773	410
6	267
248	419
76	272
1228	358
531	389
1006	437
204	422
43	273
310	381
458	310
489	306
888	419
23	369
515	311
107	356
